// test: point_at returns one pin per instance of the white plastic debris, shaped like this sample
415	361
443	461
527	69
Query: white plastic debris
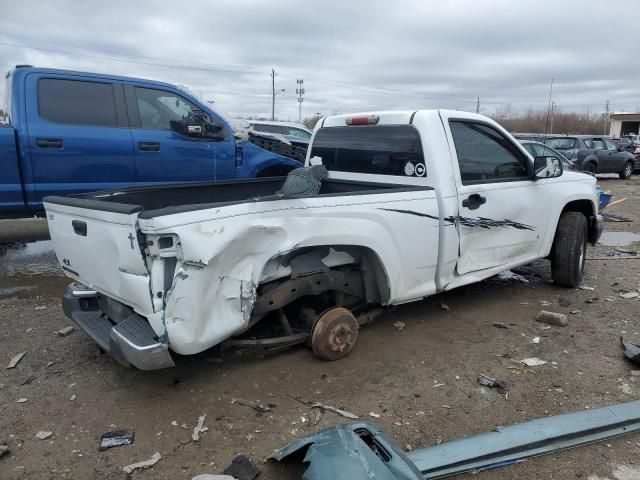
208	476
584	287
633	294
533	362
15	360
41	307
155	458
535	340
42	435
63	332
374	415
73	397
22	400
199	428
399	325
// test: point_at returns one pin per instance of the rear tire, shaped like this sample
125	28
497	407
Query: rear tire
626	172
569	250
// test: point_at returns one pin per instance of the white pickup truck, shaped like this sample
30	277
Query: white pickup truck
415	202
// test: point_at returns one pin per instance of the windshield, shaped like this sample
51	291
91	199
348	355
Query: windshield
382	150
565	143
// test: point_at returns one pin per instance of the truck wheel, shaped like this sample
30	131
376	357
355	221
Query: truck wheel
334	334
590	167
569	250
626	171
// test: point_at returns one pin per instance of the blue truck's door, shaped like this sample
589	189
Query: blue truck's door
164	155
79	137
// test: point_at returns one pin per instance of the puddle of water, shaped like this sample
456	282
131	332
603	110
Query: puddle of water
29	259
618	239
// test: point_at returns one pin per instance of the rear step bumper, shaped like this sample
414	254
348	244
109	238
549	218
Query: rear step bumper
131	342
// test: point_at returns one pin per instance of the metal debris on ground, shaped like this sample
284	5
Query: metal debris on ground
42	435
155	458
533	362
115	439
444	306
609	217
63	332
552	318
363	451
500	325
322	407
259	408
15	360
631	351
242	468
399	325
4	448
208	476
486	381
199	428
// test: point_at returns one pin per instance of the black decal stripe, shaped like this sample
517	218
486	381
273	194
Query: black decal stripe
480	222
411	212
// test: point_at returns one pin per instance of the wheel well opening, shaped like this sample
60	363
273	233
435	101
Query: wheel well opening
586	208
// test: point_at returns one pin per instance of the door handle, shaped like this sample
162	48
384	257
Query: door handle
149	146
49	143
474	201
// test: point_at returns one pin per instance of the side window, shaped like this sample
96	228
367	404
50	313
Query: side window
296	132
610	145
159	108
261	127
485	155
547	152
587	143
75	102
597	144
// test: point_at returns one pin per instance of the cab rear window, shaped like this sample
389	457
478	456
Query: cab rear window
380	150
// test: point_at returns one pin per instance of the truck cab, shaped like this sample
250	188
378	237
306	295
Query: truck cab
73	132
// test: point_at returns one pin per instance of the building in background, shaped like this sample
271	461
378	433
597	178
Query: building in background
624	124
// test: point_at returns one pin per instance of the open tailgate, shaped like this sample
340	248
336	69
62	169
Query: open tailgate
96	243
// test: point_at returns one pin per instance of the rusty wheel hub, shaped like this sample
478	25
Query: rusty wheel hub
334	334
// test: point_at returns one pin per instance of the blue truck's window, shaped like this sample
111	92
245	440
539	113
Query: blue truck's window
158	108
75	102
485	155
382	150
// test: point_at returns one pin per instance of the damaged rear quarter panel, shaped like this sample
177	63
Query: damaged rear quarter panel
224	251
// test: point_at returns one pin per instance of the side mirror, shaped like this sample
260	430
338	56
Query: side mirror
547	167
203	129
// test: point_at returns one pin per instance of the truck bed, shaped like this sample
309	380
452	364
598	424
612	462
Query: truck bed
161	200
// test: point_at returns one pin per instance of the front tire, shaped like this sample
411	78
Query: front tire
590	168
569	250
626	172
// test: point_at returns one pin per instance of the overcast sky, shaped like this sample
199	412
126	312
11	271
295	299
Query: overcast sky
352	55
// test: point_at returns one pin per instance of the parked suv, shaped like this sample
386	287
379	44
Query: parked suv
595	154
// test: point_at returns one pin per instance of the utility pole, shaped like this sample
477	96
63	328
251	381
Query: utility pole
553	107
546	127
300	92
606	118
273	94
478	105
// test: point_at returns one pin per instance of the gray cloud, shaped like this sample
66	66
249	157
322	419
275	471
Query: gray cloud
352	55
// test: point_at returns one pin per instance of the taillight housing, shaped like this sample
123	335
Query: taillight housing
366	120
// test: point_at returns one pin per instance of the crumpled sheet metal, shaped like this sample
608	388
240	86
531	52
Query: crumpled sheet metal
341	453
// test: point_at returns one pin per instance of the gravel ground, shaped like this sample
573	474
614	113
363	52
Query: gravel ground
77	393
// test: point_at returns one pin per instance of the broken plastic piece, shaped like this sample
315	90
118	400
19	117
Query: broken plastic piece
485	381
4	448
241	468
42	435
533	362
63	332
335	410
155	458
15	360
115	439
631	351
199	428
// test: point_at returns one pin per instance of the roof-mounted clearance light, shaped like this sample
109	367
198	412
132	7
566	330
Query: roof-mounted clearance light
370	120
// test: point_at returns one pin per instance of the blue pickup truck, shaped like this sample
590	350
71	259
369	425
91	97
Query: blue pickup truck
71	132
